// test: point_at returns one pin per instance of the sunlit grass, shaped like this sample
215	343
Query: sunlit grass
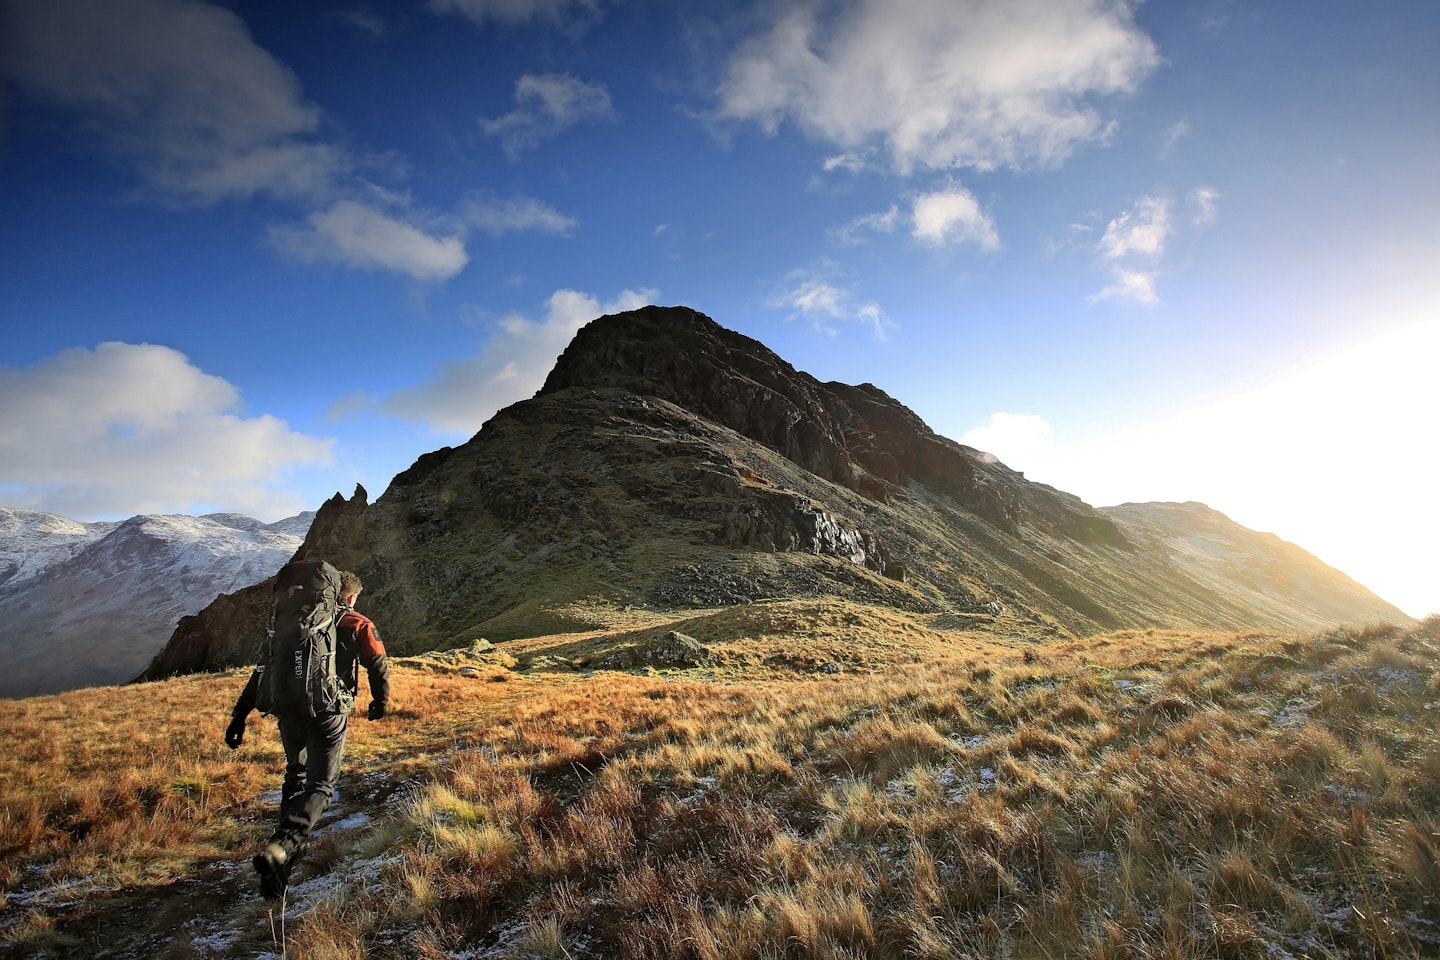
1140	794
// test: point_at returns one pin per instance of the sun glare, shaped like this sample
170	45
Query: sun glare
1338	456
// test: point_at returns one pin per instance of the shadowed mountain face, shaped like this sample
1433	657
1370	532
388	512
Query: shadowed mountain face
670	462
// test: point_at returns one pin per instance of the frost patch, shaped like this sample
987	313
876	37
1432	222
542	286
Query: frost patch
351	822
59	895
958	785
361	874
217	942
1294	715
703	786
1037	683
901	788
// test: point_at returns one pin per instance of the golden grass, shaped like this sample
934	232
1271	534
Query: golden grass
1139	794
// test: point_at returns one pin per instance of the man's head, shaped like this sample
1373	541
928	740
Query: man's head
350	587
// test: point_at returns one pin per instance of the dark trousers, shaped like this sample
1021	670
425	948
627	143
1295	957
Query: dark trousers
313	746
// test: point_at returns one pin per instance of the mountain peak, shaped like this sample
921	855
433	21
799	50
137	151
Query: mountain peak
652	345
856	436
682	356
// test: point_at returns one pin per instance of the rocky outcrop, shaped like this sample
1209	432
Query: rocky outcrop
227	633
668	649
684	357
339	527
469	659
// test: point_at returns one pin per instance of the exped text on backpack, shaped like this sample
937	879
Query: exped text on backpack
305	610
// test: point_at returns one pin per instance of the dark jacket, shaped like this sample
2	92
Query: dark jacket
357	644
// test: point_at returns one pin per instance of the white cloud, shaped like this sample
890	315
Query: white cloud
1137	285
366	21
136	428
1206	203
520	11
180	89
940	83
849	162
1177	132
499	216
1141	232
356	235
1015	439
811	294
546	105
947	216
462	394
1133	244
855	230
953	216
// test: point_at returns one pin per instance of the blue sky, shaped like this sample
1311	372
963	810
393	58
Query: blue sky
252	253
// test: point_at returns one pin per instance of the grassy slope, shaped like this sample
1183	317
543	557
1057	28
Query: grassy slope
947	793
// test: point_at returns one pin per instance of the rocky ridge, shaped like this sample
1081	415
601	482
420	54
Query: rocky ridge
672	463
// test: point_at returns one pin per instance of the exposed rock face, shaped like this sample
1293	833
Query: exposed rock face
227	633
85	604
669	461
339	527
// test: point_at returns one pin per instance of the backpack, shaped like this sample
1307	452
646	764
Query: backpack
300	677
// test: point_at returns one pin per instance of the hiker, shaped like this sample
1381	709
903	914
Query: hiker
312	734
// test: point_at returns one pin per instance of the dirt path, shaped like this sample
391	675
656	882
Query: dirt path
214	910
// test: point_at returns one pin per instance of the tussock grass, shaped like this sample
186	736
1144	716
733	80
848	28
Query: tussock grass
123	781
1139	794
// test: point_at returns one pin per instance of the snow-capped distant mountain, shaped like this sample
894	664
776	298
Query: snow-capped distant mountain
92	603
32	542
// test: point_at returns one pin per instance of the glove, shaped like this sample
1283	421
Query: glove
376	710
235	733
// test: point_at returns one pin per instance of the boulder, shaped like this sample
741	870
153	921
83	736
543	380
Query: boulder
671	649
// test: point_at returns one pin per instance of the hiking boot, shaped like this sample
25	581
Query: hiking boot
274	864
